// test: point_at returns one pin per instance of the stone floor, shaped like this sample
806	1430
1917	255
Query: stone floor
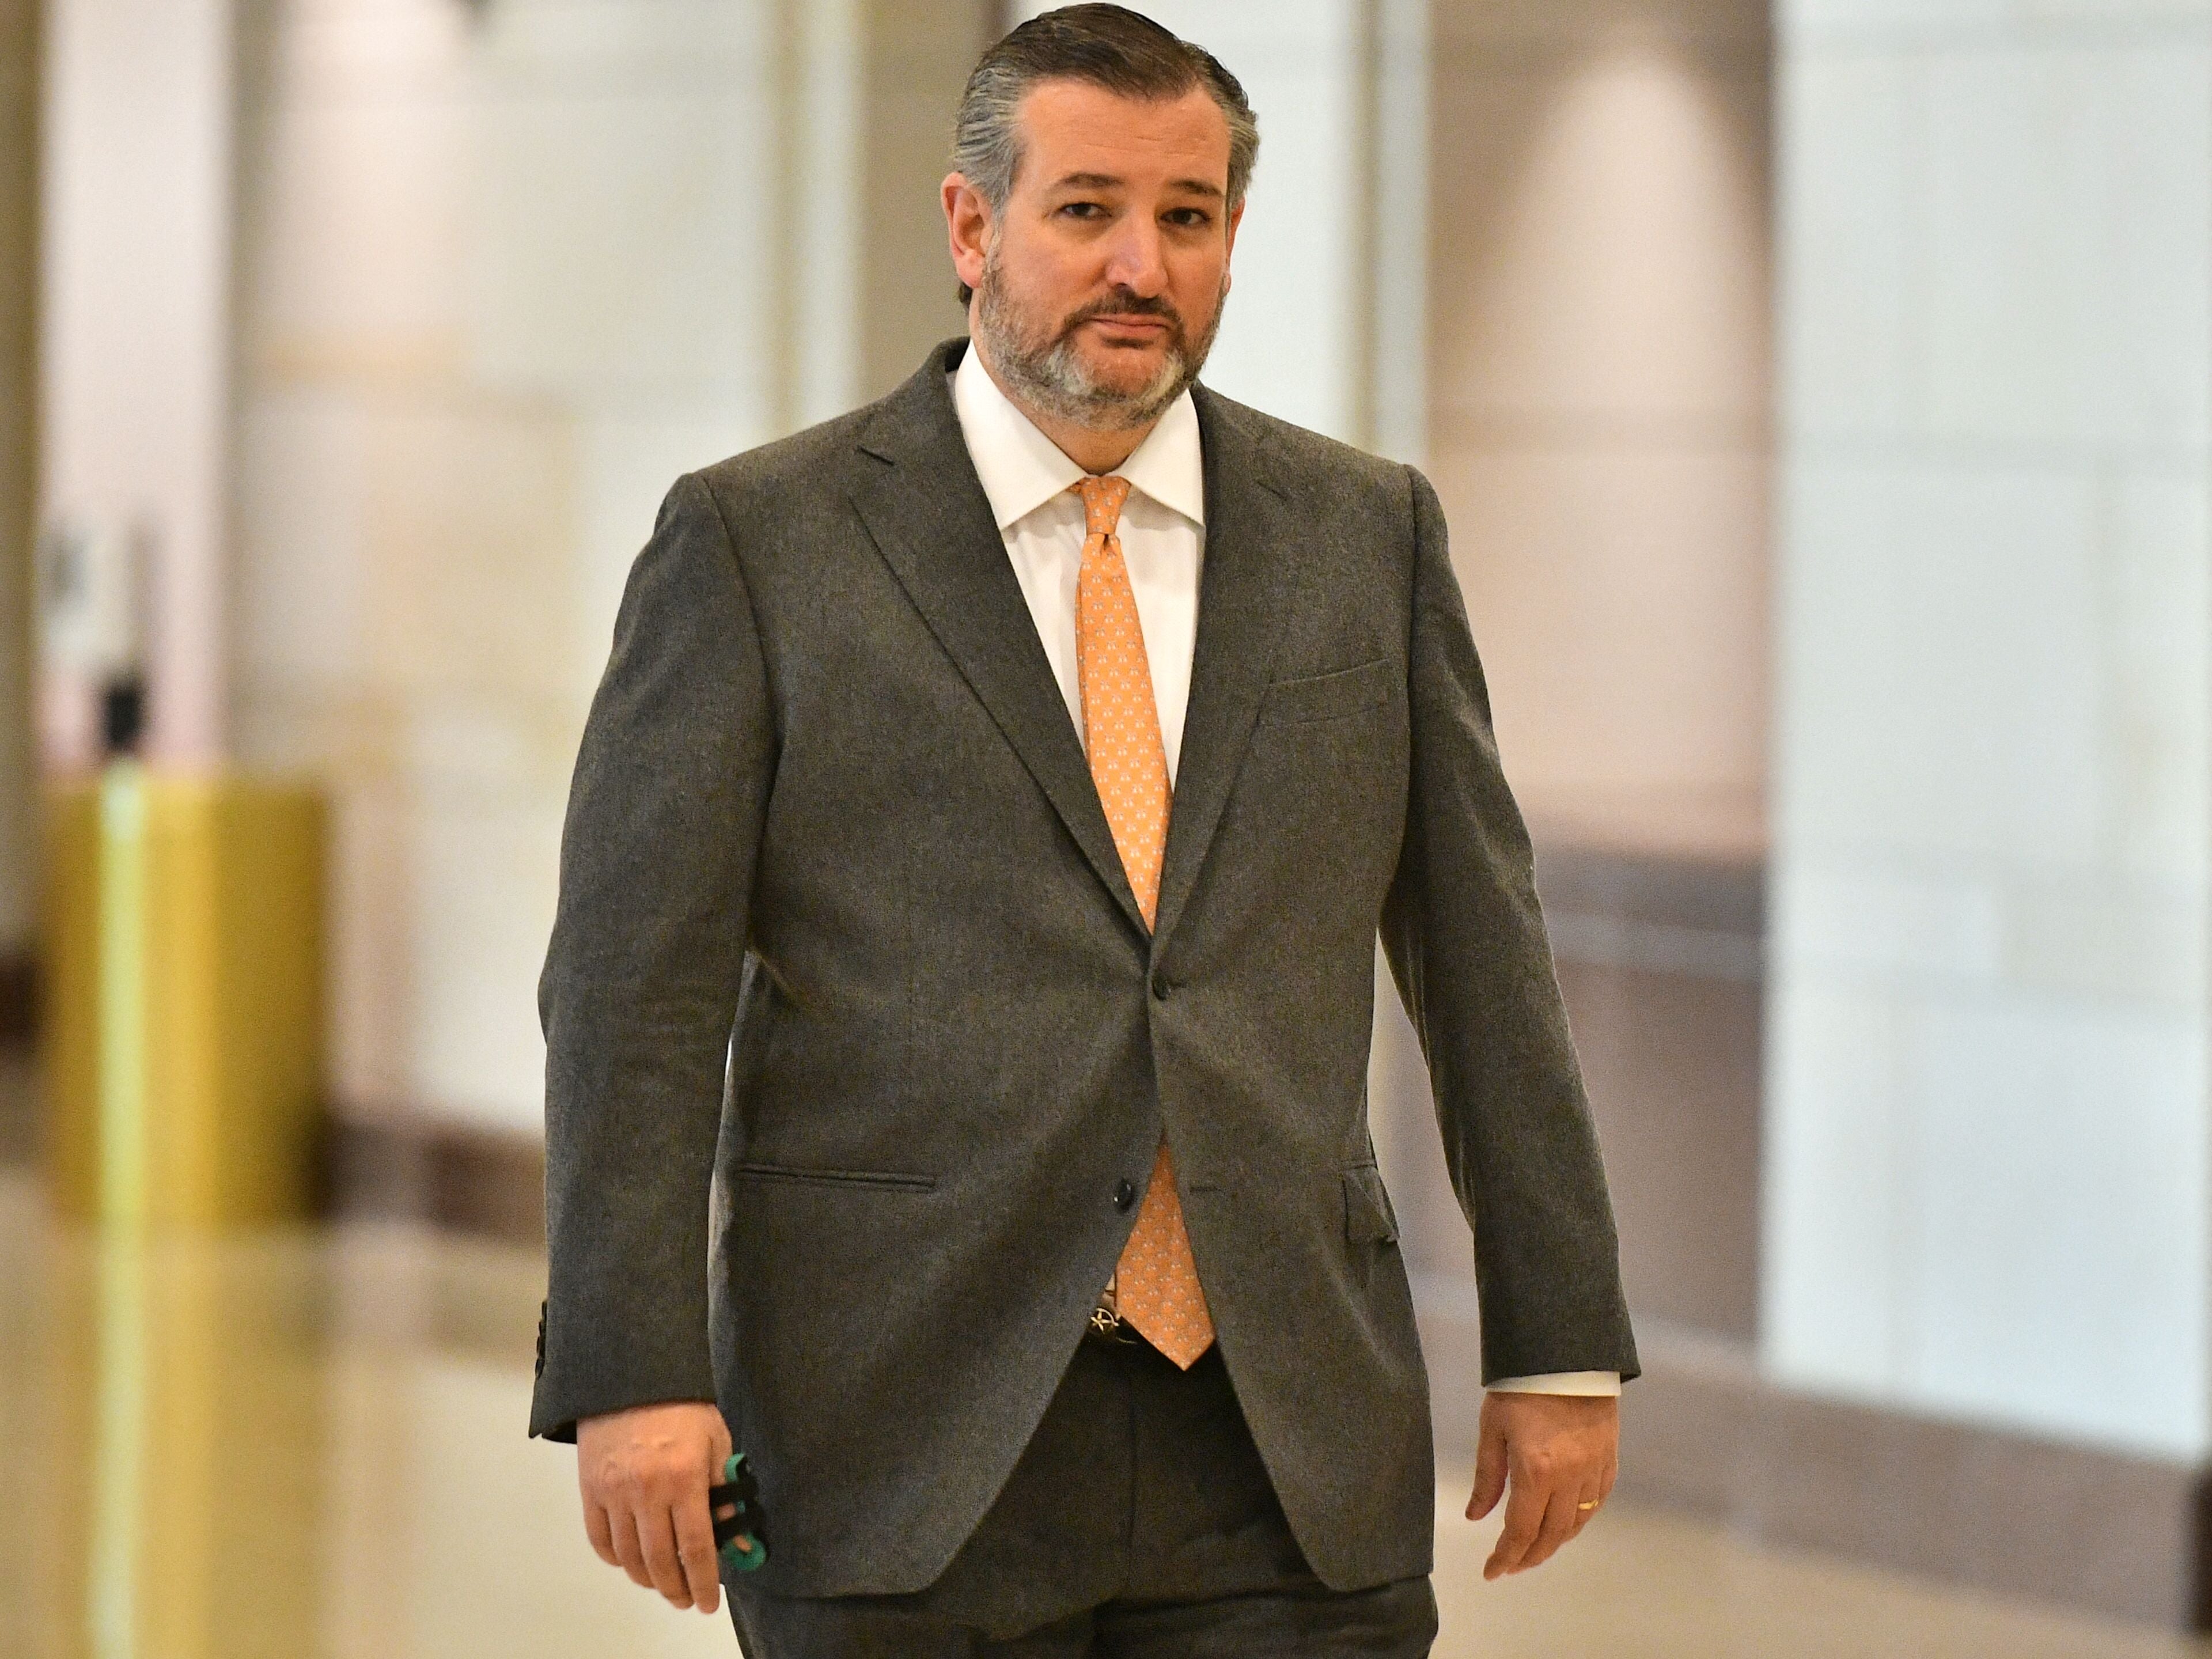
309	1445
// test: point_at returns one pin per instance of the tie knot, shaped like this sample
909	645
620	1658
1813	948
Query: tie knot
1102	501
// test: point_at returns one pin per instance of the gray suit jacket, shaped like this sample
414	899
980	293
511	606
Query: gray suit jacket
842	927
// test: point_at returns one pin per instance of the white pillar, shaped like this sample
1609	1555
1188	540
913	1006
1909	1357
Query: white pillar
1988	1146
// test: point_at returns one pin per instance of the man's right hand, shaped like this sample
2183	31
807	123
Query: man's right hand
645	1474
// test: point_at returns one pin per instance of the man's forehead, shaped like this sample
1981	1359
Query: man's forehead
1080	134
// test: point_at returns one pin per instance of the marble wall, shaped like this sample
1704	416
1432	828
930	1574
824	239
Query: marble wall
1987	1111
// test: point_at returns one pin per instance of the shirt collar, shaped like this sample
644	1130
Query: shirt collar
1021	469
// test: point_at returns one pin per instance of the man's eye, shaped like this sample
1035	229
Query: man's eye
1191	218
1083	209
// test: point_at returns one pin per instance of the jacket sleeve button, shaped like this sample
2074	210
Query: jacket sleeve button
1125	1194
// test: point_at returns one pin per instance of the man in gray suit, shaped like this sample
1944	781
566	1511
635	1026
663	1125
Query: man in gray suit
971	878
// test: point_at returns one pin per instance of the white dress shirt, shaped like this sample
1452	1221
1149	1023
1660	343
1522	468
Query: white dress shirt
1026	477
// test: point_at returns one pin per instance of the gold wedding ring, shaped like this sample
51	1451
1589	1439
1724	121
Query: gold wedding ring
1590	1505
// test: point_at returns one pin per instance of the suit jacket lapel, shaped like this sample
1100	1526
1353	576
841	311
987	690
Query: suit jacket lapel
1239	607
918	493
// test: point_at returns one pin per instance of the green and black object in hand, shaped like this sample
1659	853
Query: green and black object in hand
740	1536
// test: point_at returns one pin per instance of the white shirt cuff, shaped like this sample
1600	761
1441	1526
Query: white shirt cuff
1581	1383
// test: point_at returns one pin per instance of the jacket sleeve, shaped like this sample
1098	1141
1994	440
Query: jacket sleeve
1466	947
640	987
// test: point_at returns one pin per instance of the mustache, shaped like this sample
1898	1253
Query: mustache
1126	304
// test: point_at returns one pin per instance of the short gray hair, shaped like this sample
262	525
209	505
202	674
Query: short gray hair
1109	46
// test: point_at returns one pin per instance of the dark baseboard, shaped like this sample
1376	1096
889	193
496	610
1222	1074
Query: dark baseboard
482	1182
19	999
487	1182
1703	1432
1723	898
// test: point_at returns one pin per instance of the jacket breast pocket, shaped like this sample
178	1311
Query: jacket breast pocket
1328	696
1368	1217
857	1179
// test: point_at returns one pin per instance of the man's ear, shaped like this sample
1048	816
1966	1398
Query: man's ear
967	226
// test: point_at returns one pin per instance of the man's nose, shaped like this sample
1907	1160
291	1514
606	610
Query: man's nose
1135	262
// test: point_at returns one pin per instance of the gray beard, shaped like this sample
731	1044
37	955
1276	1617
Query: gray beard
1052	380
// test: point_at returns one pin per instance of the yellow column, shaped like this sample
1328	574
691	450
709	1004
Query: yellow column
184	929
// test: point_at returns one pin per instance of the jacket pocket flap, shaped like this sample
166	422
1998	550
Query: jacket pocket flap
1367	1213
1324	697
864	1180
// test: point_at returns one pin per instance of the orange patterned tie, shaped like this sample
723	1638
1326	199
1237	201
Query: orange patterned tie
1155	1285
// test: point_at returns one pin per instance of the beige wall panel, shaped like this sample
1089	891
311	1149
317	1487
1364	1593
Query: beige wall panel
467	514
1600	381
1601	244
302	572
360	234
1618	602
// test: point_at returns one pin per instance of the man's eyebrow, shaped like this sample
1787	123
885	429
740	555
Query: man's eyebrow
1109	181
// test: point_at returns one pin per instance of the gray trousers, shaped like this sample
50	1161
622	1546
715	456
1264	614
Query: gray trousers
1139	1523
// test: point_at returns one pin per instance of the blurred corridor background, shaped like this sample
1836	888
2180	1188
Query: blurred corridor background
1821	398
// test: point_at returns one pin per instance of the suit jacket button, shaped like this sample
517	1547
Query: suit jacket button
1160	986
1125	1194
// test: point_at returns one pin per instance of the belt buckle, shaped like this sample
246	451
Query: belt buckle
1109	1325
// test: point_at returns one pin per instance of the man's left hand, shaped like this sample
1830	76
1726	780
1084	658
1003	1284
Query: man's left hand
1561	1452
